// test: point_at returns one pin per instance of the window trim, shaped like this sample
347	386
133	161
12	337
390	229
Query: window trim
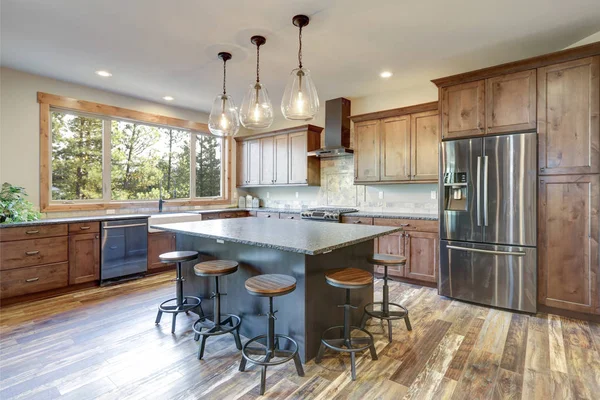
48	101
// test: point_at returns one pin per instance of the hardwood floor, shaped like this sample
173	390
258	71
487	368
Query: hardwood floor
102	343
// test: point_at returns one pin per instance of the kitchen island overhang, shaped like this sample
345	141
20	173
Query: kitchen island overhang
302	249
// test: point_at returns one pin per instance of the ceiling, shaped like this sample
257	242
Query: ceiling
156	48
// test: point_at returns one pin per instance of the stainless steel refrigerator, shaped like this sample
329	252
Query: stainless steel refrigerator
488	221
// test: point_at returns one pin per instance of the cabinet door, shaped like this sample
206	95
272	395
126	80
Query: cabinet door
463	110
424	144
510	102
568	117
366	151
568	242
281	159
421	252
253	162
395	149
392	244
242	163
159	243
84	258
297	158
267	161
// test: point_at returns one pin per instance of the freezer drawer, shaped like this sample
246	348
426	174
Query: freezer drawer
499	276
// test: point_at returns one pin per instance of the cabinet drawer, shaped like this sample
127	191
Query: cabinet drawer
206	217
26	253
409	224
32	232
85	227
233	214
22	281
357	220
264	214
289	216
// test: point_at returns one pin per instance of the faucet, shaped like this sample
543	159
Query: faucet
160	197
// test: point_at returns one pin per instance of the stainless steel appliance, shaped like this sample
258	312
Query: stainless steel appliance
336	137
124	248
327	214
488	221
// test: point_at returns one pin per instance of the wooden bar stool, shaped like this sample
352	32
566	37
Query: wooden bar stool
348	278
385	310
267	350
213	325
180	303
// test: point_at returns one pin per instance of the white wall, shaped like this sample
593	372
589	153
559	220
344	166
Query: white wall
19	121
587	40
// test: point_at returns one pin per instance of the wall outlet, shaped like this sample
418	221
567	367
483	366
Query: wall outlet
434	194
296	194
381	195
110	211
220	241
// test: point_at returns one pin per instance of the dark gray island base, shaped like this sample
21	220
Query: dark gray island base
303	314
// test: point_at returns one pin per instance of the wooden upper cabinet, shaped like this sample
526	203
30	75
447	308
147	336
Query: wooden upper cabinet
84	257
395	149
421	250
568	266
424	145
463	110
568	117
267	160
281	159
297	158
367	147
510	102
253	162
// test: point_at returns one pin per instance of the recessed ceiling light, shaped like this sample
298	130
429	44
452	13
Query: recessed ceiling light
104	74
168	98
385	74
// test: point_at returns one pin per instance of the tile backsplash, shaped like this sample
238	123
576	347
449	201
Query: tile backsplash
338	189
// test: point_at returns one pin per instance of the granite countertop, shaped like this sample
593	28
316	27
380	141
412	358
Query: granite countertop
307	237
74	220
385	214
261	209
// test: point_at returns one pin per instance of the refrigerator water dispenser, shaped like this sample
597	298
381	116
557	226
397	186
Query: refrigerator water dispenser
455	191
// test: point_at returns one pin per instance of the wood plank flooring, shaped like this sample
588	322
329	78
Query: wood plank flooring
101	343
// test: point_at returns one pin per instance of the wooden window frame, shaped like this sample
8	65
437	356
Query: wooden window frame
48	101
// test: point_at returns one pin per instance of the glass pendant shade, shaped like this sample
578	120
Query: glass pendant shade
300	100
223	119
256	111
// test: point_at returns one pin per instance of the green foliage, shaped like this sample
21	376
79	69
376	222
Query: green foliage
13	205
208	166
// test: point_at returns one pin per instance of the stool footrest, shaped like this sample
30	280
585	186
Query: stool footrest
191	303
395	311
205	326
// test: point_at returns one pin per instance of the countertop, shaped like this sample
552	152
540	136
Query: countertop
74	220
307	237
366	214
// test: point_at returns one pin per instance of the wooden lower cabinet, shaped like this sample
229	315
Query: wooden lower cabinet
159	243
421	250
22	281
568	264
84	258
392	244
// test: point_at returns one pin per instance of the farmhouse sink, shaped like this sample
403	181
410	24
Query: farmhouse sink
159	219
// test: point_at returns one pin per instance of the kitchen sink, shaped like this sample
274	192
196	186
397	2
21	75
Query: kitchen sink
159	219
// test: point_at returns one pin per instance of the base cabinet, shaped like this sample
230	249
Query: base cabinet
159	243
392	244
421	250
84	258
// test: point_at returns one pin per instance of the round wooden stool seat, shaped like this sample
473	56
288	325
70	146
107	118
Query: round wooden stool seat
216	268
270	285
387	259
349	278
178	256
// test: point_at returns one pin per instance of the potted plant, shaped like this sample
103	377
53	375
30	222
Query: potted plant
14	207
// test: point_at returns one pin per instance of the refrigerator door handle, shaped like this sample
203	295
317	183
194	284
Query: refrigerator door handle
500	253
478	186
485	190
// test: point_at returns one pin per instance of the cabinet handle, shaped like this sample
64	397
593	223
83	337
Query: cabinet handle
32	253
542	169
228	216
404	224
358	222
32	232
32	279
97	237
84	228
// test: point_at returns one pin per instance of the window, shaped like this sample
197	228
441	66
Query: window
104	160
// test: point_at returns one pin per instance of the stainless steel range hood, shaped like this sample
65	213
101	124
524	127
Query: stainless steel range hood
337	130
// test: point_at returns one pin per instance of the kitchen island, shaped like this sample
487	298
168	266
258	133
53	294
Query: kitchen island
302	249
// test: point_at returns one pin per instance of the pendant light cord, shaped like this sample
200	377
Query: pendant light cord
300	47
224	76
257	63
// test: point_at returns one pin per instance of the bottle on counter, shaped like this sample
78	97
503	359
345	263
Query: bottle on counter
255	202
242	202
248	201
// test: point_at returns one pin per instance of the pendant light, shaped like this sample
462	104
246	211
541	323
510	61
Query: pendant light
300	100
223	119
256	111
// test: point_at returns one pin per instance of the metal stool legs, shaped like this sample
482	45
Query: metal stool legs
181	303
347	343
382	311
272	349
218	326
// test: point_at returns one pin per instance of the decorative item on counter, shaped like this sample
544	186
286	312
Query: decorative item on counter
255	202
14	207
248	200
242	202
